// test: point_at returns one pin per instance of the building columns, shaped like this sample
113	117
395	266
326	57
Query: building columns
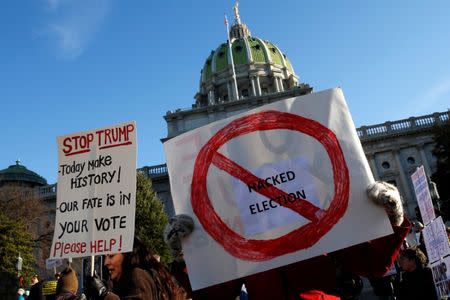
275	83
280	83
211	97
373	166
230	92
258	86
425	164
252	80
404	185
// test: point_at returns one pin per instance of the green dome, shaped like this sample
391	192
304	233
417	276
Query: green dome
246	50
260	67
19	173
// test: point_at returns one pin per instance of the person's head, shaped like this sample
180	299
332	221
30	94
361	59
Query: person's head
67	282
20	291
121	264
34	279
114	264
411	259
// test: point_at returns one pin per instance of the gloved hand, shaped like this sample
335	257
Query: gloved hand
383	193
96	288
179	226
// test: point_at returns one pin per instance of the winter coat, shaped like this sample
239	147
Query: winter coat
67	296
36	292
369	259
417	285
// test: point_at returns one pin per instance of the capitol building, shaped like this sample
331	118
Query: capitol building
250	72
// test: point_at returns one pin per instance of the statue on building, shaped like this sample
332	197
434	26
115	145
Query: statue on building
236	13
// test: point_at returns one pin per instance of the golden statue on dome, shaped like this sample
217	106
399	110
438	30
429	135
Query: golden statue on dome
236	13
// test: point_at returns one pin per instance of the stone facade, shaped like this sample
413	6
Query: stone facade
181	121
396	149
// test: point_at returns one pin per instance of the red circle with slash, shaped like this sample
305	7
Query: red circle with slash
321	221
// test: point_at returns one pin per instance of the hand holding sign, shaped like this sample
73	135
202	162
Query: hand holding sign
387	195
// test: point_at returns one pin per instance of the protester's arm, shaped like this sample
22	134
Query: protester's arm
374	258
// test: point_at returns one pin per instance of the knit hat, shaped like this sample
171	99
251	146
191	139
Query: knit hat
68	282
317	295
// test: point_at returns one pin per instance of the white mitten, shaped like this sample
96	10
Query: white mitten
386	194
179	226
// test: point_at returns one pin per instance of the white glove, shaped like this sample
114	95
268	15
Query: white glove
383	193
179	226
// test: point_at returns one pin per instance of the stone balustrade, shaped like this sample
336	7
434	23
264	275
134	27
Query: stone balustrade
402	126
47	192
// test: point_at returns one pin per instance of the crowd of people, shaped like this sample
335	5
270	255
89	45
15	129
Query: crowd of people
139	275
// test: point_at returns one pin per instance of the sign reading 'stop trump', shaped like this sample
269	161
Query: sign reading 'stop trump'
272	186
96	192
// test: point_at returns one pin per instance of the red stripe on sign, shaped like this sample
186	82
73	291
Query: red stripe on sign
116	145
78	152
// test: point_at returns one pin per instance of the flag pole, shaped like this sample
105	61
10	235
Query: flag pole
235	89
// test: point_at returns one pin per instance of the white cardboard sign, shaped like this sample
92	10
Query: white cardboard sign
96	192
436	240
275	185
441	276
419	180
51	263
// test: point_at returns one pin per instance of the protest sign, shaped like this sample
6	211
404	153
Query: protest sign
441	276
96	192
51	263
419	180
436	240
272	186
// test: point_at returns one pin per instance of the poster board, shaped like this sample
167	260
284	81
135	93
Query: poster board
96	191
51	263
275	185
420	183
441	276
436	240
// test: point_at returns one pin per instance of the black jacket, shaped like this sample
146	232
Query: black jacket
417	285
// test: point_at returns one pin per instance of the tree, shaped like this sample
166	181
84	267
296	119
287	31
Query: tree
442	175
150	218
15	240
22	203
